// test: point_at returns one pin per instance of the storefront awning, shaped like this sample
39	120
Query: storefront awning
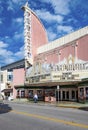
7	90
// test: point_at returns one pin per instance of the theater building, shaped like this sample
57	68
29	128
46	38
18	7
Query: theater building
56	70
60	69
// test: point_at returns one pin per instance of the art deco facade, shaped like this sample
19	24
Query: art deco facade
55	71
34	35
62	64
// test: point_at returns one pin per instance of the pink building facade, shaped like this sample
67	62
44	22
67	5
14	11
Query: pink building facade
18	80
38	34
63	63
34	34
78	49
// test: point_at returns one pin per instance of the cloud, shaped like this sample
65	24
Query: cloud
18	33
48	17
19	1
0	21
19	29
9	60
56	18
18	36
18	20
4	49
16	1
51	34
66	29
14	5
6	37
3	45
1	9
17	23
20	53
58	31
59	6
7	56
10	6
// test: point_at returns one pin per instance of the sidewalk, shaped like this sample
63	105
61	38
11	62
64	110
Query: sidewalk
63	104
68	105
73	105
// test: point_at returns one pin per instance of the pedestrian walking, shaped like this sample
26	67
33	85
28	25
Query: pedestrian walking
35	98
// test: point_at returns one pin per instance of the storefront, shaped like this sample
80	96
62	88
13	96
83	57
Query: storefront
77	93
68	94
7	93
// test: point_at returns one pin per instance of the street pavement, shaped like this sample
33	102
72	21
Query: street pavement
65	104
36	116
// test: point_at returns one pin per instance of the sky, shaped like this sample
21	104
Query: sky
59	17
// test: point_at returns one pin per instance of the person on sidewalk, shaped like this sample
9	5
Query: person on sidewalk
35	98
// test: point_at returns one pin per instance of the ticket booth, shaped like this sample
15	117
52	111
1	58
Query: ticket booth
83	94
50	95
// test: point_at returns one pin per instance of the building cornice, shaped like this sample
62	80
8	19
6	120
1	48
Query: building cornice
63	41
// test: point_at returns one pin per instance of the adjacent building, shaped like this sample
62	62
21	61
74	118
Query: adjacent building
8	78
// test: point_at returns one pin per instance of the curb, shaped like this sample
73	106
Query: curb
46	104
75	107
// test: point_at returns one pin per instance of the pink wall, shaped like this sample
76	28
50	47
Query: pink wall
18	79
18	76
53	58
39	36
66	51
80	51
83	48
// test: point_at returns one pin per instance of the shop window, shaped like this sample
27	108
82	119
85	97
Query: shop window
22	93
77	95
63	95
67	95
30	93
87	93
50	92
40	94
81	92
73	94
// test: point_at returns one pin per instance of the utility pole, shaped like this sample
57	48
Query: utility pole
58	87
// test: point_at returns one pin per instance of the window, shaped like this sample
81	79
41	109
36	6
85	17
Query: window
63	93
1	78
73	94
9	77
30	93
22	93
87	93
67	94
